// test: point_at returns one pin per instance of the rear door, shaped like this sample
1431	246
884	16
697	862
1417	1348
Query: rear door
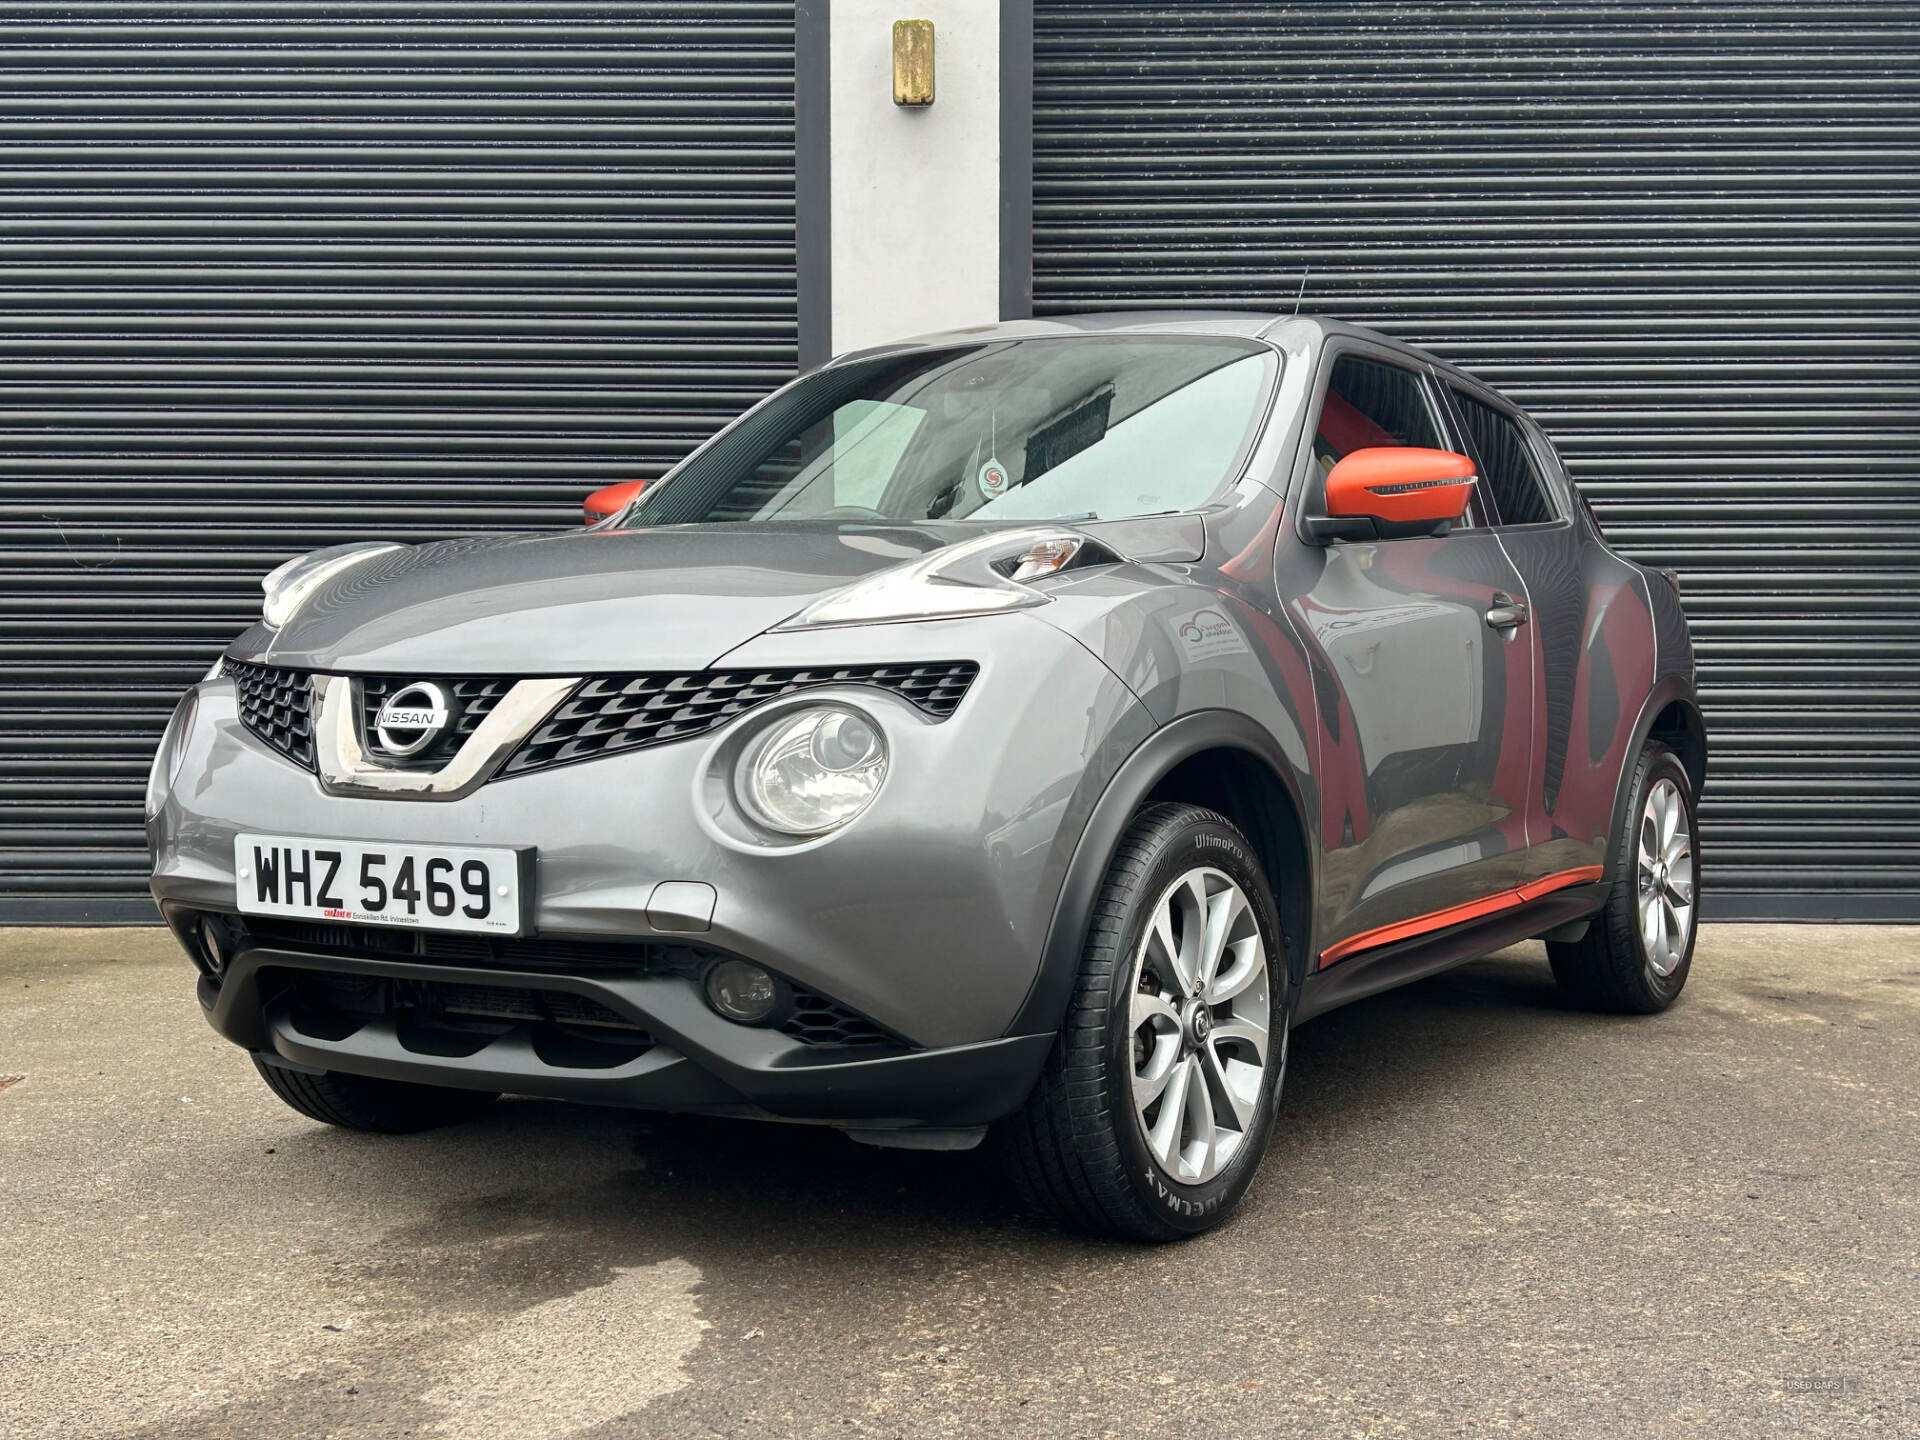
1425	742
1592	632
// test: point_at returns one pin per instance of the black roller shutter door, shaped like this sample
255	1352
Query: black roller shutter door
1685	236
274	276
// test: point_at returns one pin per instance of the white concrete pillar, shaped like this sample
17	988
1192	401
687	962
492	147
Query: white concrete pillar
912	219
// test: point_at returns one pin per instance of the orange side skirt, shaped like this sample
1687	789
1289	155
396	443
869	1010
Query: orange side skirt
1458	914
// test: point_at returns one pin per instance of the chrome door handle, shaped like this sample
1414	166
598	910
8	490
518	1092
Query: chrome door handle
1507	614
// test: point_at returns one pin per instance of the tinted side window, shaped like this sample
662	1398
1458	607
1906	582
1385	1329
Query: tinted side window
1508	469
1553	465
1371	403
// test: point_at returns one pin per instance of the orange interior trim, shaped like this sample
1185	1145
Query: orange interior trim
1459	914
1346	429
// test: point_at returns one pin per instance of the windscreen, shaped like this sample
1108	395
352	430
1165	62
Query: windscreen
1021	430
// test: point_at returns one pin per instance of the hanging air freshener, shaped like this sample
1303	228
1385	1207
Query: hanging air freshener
992	478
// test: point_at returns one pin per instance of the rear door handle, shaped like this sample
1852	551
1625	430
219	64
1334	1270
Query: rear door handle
1507	614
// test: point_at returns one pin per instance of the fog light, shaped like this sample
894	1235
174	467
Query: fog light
213	940
742	992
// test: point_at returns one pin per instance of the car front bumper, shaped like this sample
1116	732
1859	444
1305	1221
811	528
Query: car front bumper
696	1061
926	915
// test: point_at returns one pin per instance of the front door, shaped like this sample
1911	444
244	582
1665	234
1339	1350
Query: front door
1425	692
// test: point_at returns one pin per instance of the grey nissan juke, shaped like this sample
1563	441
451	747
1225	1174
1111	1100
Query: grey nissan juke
1023	727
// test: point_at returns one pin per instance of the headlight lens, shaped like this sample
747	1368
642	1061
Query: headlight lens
812	770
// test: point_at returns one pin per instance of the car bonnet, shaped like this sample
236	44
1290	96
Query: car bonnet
675	597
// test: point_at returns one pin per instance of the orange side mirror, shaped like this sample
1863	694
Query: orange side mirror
1401	485
610	500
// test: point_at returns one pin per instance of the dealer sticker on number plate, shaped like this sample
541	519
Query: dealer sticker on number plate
427	887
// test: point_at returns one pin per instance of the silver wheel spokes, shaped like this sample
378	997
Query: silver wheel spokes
1664	854
1200	1015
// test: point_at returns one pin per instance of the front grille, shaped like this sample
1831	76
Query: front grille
612	714
472	698
816	1019
276	705
503	1002
606	715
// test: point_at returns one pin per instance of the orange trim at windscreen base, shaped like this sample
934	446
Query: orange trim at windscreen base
1459	914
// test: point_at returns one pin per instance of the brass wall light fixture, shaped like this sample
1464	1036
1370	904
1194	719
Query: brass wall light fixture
913	62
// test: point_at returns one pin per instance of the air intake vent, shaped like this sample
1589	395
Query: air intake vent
816	1019
276	705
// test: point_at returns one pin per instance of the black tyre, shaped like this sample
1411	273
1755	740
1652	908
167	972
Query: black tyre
1637	951
1157	1101
359	1102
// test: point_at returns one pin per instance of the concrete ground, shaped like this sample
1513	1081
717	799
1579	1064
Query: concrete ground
1483	1211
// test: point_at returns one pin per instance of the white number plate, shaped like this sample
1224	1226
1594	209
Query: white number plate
362	882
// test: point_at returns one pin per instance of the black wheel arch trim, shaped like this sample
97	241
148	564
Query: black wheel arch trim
1665	692
1149	764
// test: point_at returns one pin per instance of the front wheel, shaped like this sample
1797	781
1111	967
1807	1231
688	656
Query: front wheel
1638	949
1156	1103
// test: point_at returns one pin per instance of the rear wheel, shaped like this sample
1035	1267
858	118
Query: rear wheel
1637	951
1155	1106
360	1102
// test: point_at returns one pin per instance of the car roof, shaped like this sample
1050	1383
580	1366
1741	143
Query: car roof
1251	324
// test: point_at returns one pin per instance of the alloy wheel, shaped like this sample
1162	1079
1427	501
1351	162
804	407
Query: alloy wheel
1665	856
1199	1024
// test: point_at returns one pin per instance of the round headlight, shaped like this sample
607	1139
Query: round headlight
812	771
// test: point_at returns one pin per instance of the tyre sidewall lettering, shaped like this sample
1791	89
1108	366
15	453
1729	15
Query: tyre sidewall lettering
1205	845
